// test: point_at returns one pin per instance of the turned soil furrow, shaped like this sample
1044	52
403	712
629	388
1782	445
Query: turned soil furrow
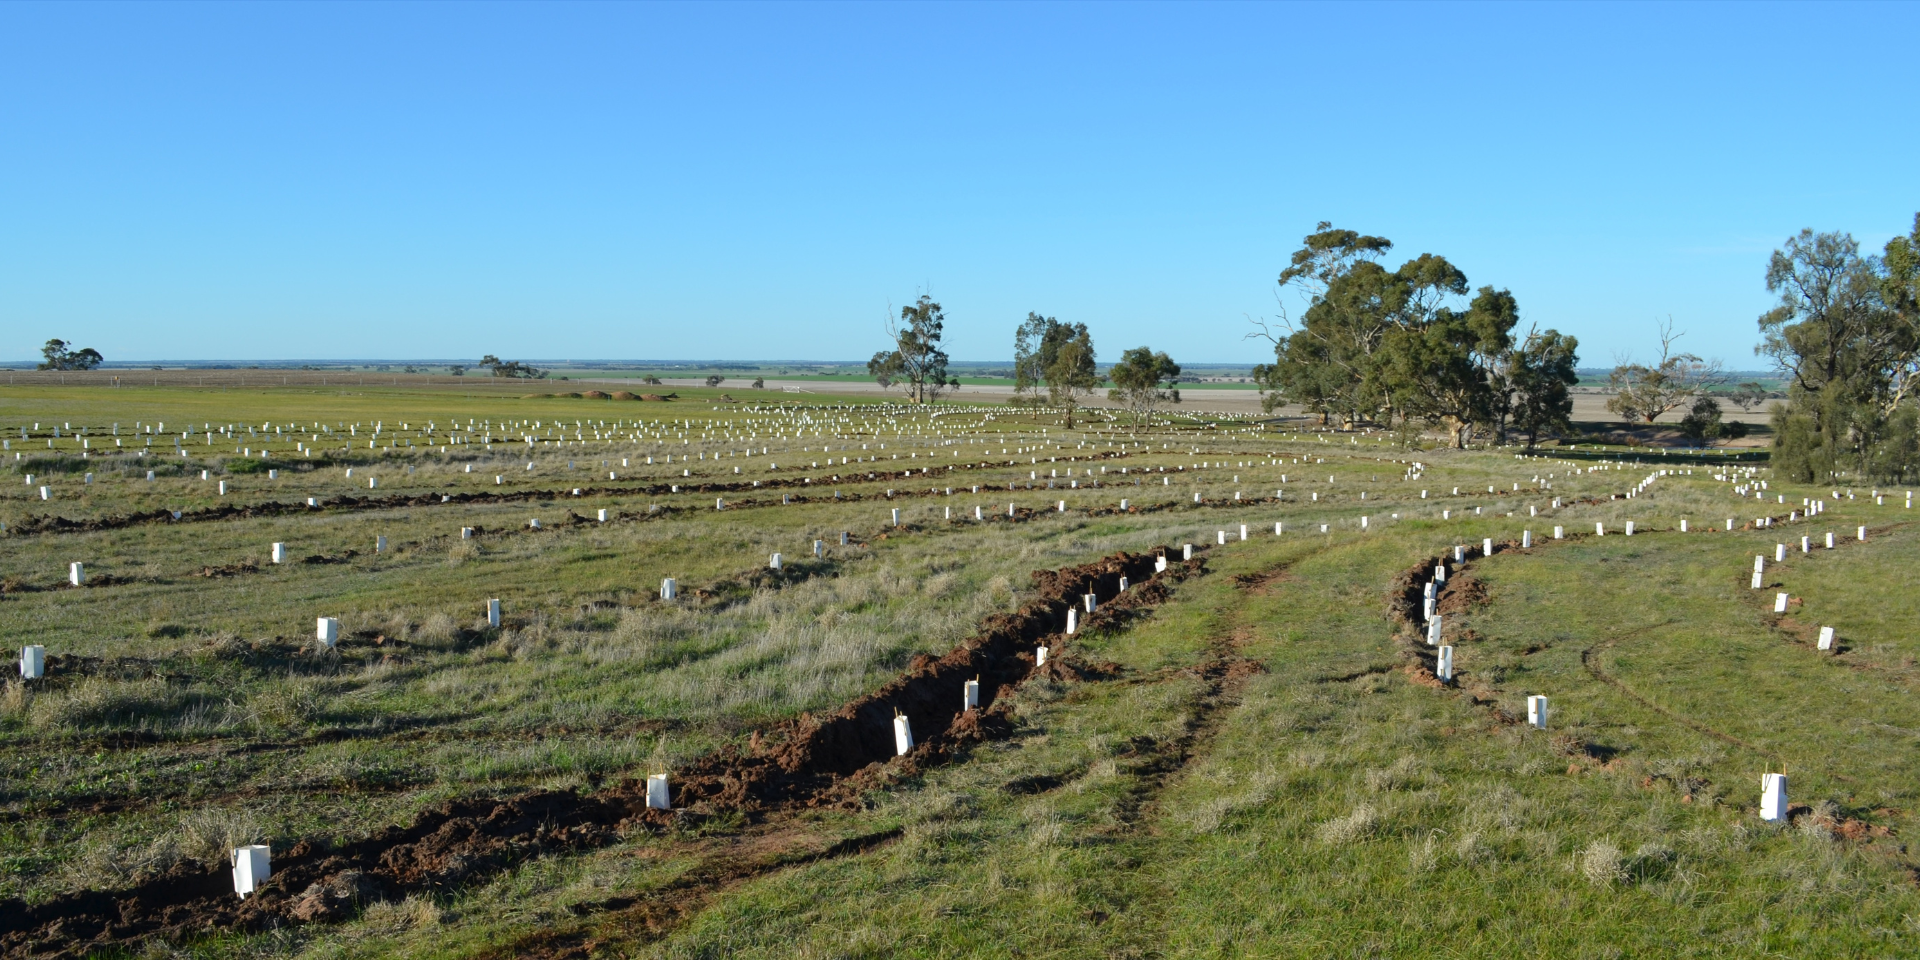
807	762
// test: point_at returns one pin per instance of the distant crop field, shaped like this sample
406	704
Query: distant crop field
946	681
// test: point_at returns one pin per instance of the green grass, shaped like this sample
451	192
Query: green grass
1327	806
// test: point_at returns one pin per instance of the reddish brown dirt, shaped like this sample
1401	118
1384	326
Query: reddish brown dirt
825	761
1462	593
1406	595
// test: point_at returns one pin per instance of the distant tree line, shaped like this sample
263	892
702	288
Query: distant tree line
510	369
1846	337
1390	347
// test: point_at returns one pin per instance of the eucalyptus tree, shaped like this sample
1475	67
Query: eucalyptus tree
1385	345
1143	380
916	360
1646	392
1846	336
1057	356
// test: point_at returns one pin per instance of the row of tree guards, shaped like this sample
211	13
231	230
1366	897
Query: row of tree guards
252	864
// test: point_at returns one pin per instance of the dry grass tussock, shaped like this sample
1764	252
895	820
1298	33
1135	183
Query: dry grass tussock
1352	828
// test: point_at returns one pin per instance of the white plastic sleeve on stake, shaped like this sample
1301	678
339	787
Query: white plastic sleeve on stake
902	735
1537	712
252	865
657	798
1443	664
1773	797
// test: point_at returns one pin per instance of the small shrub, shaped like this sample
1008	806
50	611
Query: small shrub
108	866
210	834
439	632
14	699
1425	855
286	705
99	702
1352	828
389	917
1820	822
1400	774
1471	850
1602	863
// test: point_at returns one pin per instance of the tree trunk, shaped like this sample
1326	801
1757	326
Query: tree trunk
1456	433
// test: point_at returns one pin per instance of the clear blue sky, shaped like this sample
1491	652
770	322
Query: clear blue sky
267	181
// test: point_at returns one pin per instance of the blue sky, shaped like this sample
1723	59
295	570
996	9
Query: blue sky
270	181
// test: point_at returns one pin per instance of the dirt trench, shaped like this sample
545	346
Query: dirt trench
807	762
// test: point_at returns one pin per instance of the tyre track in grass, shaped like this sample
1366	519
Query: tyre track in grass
1406	601
806	763
1587	661
724	864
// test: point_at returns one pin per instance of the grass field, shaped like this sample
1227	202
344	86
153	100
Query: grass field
1247	756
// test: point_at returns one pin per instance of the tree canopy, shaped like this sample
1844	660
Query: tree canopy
1059	356
916	360
1846	336
60	357
510	369
1383	345
1645	392
1143	380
